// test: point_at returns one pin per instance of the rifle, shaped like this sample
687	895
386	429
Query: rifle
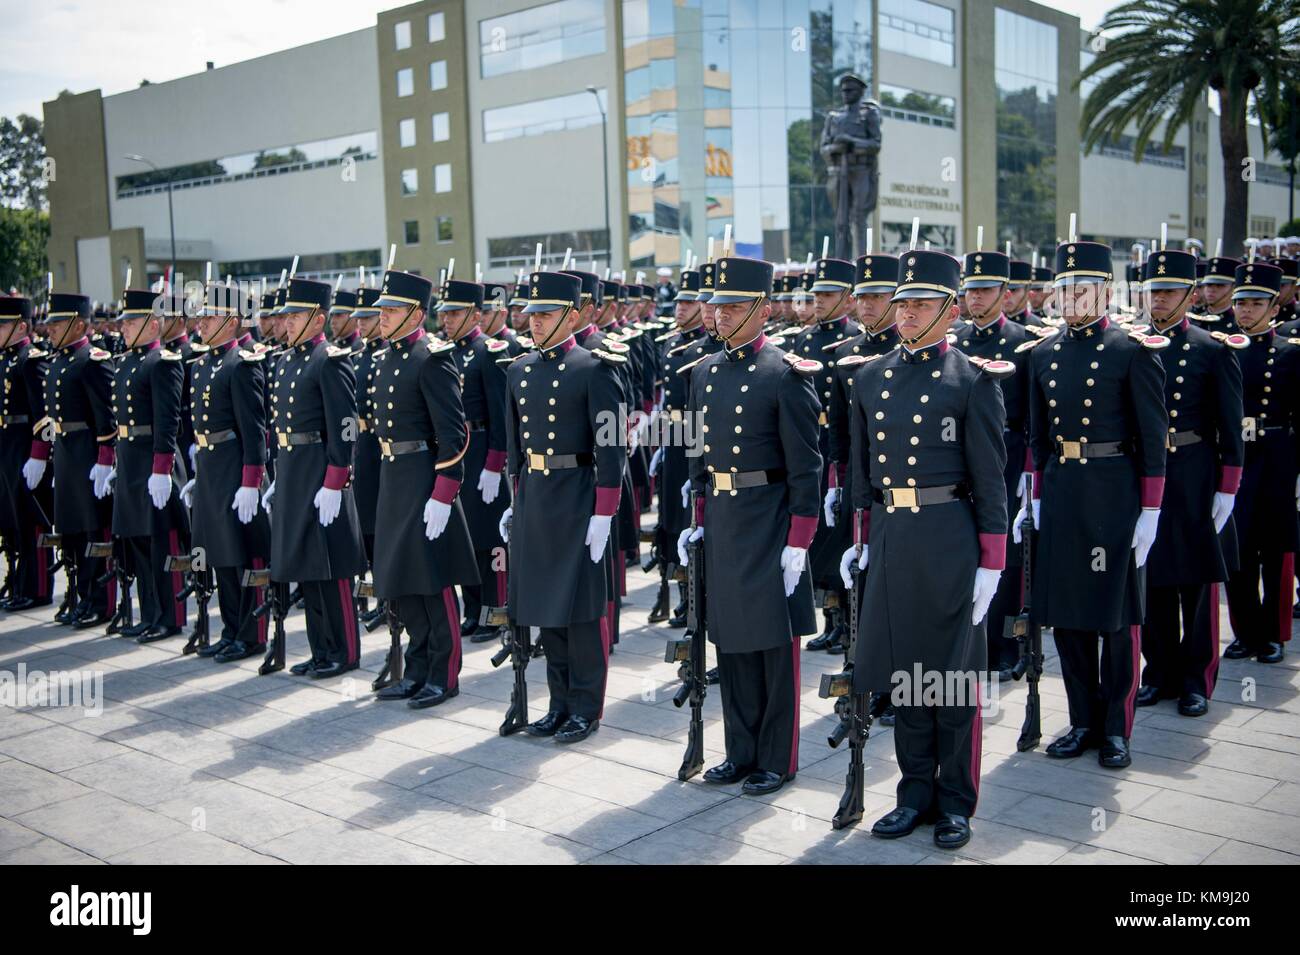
9	588
854	715
198	583
689	654
517	644
113	552
70	569
1029	637
391	671
277	603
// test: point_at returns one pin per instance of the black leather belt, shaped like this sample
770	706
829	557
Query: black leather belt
559	462
476	425
213	437
8	419
67	427
393	448
737	480
918	496
1077	450
287	438
134	431
1180	439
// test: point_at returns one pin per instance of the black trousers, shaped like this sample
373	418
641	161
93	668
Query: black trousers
433	627
237	603
1007	602
31	573
760	708
1101	696
577	664
331	617
492	591
155	588
99	598
1182	658
1254	623
938	750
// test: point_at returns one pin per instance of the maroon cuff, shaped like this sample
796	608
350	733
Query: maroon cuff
336	477
993	551
106	455
699	510
607	500
41	450
162	463
251	476
495	461
1152	491
1038	485
1229	479
445	489
802	531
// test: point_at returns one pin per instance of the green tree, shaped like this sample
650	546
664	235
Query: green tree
1281	115
23	236
1160	57
22	162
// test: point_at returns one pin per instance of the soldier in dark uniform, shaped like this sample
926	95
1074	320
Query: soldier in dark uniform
850	143
930	509
175	338
483	395
365	454
560	398
229	413
759	409
1265	512
1203	471
343	324
25	501
1040	292
1097	433
148	515
1288	319
1197	305
1016	303
78	400
495	320
422	544
1216	290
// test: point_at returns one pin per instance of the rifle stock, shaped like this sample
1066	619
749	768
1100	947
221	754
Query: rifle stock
854	718
690	655
1029	638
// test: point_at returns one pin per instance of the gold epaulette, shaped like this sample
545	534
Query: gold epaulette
805	366
37	353
1235	341
200	348
336	352
1029	343
168	355
497	344
617	347
848	361
608	357
664	337
437	346
840	344
98	354
993	368
685	369
254	355
1152	342
679	348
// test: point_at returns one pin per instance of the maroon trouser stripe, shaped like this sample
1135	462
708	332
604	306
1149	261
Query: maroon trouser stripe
606	640
349	609
794	729
453	620
178	579
977	737
1212	668
1135	677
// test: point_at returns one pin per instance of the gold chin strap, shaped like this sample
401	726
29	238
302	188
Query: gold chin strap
997	304
1177	309
410	310
305	326
63	339
748	315
887	316
943	310
564	314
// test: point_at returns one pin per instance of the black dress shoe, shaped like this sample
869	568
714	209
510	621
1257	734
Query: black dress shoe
951	831
897	823
1148	695
468	627
134	631
303	668
677	621
711	676
1005	675
821	641
64	614
1072	744
90	621
726	773
154	634
576	728
323	671
659	612
402	690
431	695
1193	704
212	649
238	650
761	782
27	603
1114	753
485	635
1272	653
1237	651
547	725
372	614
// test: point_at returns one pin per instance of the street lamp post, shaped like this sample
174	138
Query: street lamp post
171	218
604	156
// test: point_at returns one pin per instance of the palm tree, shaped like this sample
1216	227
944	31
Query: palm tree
1158	59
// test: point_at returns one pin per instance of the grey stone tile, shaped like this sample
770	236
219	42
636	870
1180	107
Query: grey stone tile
1243	853
1227	819
24	787
333	842
58	748
192	848
485	839
677	845
138	778
99	824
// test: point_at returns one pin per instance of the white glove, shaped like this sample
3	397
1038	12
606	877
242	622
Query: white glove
686	493
489	485
634	432
828	506
1144	534
688	536
793	562
328	502
187	493
986	585
1022	485
245	503
267	496
33	471
160	489
194	450
655	460
436	515
846	559
1222	509
1032	512
598	535
503	525
99	475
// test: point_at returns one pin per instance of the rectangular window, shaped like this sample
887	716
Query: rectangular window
518	251
405	82
437	27
442	177
1025	74
540	36
411	232
441	127
410	182
557	113
928	109
438	75
917	28
402	35
444	228
406	133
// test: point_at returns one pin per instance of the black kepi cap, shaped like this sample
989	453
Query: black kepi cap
548	291
742	280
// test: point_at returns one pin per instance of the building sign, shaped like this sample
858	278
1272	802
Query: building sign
919	196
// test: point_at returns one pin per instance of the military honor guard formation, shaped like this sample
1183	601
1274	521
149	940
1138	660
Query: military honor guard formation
916	461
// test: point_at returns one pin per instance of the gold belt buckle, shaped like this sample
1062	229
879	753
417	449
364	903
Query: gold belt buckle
902	497
58	427
1072	450
384	446
724	481
536	462
821	419
201	440
123	431
675	414
361	425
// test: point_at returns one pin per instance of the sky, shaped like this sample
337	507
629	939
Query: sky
113	44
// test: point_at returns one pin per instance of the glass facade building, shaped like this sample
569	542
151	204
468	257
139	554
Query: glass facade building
724	106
